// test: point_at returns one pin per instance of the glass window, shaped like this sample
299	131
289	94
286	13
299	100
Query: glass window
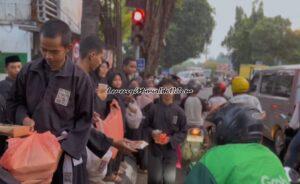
283	85
267	84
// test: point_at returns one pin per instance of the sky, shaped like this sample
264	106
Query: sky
225	17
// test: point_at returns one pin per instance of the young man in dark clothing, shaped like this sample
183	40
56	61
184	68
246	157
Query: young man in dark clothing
129	71
13	66
91	54
52	94
166	125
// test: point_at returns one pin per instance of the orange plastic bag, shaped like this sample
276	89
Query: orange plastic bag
33	159
113	124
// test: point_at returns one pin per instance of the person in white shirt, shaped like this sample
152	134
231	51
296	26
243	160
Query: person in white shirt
217	99
193	106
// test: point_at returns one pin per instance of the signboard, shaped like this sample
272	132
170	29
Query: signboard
141	63
165	72
75	52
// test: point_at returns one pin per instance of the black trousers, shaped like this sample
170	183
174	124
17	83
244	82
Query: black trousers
79	172
161	169
293	153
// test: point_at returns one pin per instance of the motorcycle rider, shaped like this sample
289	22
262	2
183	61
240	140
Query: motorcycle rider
218	98
240	157
193	106
240	86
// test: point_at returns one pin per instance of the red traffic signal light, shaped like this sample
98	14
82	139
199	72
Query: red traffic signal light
138	17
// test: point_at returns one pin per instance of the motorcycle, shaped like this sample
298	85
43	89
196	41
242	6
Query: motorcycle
195	145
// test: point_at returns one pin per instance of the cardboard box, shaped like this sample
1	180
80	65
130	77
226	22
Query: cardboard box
14	130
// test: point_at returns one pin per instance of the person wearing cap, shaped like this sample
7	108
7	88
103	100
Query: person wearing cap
240	86
238	157
13	66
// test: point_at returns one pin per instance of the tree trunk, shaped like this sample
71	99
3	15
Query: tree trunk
118	34
90	17
158	16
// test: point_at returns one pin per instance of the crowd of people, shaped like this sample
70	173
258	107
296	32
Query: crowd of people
55	94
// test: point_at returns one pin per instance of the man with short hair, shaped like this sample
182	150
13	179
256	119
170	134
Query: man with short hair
129	71
53	94
165	124
13	66
91	56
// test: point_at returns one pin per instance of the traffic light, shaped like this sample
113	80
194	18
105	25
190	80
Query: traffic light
138	21
138	17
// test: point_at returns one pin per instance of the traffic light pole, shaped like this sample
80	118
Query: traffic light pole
137	51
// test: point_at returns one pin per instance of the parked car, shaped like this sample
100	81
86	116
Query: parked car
186	76
278	89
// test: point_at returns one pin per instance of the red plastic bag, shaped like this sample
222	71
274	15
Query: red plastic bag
113	124
33	159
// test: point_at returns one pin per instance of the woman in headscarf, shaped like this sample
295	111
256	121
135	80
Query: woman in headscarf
100	75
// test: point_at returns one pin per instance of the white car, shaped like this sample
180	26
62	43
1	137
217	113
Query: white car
186	76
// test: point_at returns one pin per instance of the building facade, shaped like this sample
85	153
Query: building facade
20	21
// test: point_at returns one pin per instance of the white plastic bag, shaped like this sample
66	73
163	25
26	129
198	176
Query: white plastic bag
97	167
134	119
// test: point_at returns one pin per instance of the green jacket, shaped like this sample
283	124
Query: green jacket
236	164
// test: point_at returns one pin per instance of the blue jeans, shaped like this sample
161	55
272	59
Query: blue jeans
161	170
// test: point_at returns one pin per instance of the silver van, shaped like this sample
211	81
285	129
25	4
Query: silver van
278	89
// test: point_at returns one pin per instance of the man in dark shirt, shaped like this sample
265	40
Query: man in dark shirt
166	125
13	66
129	71
53	94
91	54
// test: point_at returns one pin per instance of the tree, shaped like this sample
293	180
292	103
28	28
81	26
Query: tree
158	16
260	38
90	18
190	29
110	19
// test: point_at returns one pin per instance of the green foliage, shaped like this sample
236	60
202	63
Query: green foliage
261	38
190	29
126	22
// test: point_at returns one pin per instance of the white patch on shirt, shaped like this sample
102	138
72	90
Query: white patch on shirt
174	121
63	97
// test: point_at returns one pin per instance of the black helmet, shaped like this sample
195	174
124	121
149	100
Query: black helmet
236	123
